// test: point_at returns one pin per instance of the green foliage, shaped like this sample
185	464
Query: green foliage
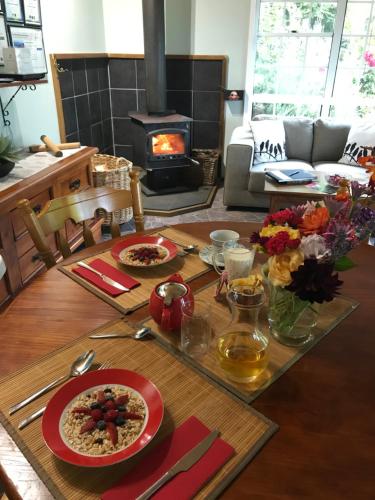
367	82
343	264
7	152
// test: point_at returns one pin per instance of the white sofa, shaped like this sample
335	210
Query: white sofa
314	145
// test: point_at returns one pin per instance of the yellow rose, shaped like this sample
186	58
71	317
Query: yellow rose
270	231
280	267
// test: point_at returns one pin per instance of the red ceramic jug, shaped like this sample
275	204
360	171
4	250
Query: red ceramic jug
166	302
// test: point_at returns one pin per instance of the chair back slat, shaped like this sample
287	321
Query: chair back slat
80	208
63	245
88	237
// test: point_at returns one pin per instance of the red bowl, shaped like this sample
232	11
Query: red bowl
131	241
53	415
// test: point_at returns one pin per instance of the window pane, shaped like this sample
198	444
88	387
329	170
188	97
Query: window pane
260	108
300	17
357	19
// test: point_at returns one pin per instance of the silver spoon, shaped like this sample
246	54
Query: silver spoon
187	248
79	367
138	335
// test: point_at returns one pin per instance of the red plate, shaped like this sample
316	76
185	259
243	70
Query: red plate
53	416
133	241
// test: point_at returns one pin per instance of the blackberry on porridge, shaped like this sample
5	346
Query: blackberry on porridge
144	255
104	421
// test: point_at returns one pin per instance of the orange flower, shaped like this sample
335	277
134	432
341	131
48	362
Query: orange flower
314	221
371	170
343	192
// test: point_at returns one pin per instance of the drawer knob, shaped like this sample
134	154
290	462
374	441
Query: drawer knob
35	257
37	209
74	185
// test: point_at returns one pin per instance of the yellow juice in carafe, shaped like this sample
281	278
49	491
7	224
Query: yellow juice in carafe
241	356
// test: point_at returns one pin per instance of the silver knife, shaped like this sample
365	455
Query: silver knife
26	421
105	278
184	464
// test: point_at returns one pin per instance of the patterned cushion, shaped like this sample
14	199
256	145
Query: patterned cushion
269	141
361	142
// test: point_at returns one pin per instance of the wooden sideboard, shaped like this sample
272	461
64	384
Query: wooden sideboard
20	255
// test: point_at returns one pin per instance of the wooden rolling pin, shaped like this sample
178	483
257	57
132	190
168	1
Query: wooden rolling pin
38	148
51	145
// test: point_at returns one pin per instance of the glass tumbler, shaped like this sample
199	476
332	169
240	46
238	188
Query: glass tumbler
196	329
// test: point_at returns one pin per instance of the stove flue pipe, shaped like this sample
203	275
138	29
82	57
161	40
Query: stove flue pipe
154	42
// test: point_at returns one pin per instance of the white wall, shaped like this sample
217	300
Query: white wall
76	26
123	26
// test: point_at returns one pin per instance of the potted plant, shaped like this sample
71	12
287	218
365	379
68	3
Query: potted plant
8	156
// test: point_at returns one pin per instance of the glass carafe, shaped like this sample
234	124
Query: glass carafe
242	347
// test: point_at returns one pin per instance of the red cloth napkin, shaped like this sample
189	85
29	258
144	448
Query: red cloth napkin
186	484
111	272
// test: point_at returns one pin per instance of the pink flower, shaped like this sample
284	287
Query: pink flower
369	58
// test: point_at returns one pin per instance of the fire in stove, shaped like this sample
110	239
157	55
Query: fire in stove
168	144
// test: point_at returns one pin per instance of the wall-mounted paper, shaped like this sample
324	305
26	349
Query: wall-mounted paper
3	38
13	10
32	12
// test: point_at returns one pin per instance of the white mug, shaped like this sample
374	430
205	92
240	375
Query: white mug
238	256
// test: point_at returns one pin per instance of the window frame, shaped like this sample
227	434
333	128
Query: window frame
328	99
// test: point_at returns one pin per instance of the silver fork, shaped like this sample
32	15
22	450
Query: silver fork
38	413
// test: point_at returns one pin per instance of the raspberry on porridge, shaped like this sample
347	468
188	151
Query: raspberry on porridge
144	255
104	421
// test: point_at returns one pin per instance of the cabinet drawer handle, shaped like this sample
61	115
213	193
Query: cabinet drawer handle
37	209
35	257
74	185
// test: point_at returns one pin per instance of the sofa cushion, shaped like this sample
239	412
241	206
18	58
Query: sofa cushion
269	141
348	171
256	179
329	140
360	142
298	138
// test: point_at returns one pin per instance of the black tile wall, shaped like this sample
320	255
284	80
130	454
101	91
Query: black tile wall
86	102
122	73
97	95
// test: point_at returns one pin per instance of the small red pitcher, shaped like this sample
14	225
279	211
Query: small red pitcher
166	302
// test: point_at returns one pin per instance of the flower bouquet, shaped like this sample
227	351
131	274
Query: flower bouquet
307	245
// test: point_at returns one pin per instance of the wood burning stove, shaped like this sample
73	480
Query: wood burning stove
163	148
162	139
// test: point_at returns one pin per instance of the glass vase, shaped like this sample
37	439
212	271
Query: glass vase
291	319
242	347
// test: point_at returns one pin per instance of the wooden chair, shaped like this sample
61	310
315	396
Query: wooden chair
79	208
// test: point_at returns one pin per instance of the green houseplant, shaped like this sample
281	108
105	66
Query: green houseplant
8	156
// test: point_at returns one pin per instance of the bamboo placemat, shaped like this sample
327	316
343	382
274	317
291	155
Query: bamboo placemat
189	267
184	391
281	356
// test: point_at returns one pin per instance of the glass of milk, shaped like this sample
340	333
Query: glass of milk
238	256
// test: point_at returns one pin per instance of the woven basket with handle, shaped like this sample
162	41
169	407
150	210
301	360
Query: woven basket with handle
208	159
111	171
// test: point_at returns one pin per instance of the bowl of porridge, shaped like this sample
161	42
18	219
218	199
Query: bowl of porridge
102	418
144	251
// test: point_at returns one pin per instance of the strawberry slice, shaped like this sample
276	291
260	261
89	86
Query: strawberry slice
112	431
82	410
131	415
122	400
88	426
101	397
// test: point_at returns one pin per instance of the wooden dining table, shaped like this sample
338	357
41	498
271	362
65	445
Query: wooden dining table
324	404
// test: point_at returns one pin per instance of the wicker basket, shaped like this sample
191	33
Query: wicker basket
208	159
113	172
